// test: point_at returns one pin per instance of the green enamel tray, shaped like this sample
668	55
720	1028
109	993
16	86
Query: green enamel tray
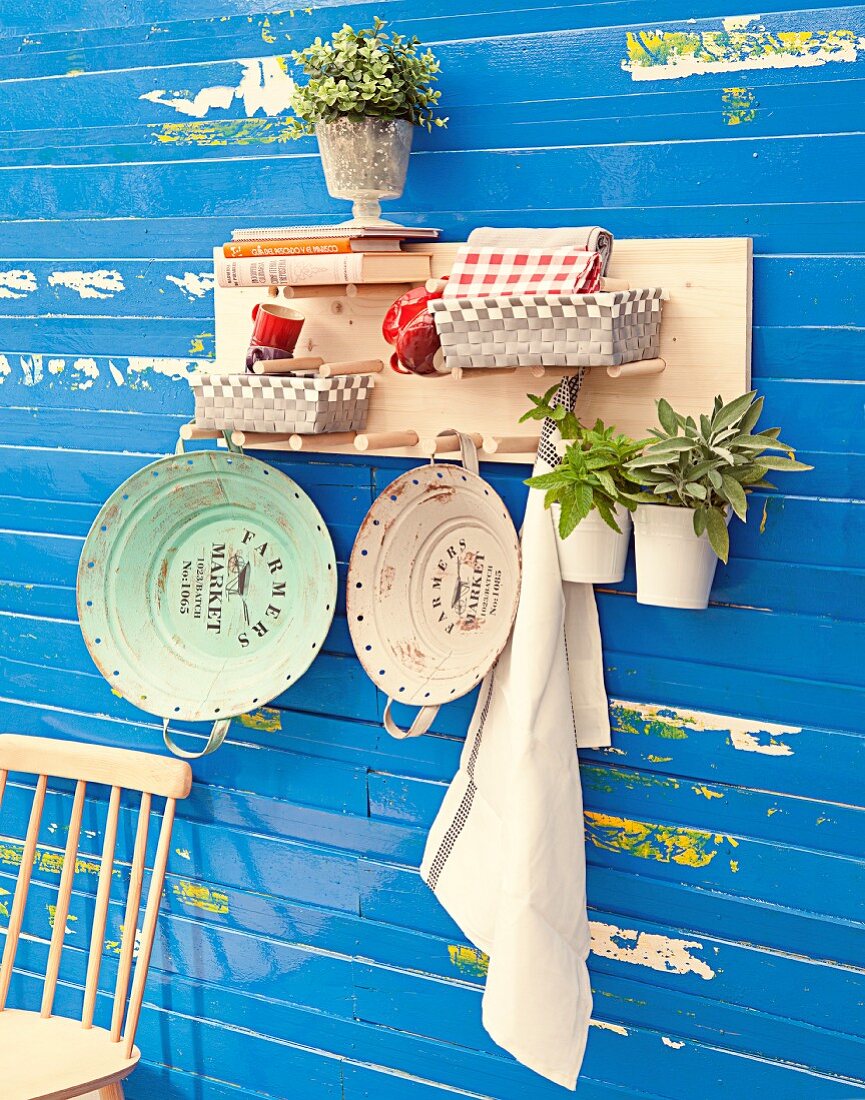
206	587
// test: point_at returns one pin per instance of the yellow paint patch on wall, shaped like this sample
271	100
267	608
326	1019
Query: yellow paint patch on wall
242	131
706	792
469	960
663	953
200	896
202	344
738	105
608	780
266	719
52	912
50	863
645	840
671	55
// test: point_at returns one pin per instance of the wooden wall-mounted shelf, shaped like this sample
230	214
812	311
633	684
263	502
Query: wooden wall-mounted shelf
705	350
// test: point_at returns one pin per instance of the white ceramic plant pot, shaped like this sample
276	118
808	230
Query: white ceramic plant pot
594	553
675	567
365	160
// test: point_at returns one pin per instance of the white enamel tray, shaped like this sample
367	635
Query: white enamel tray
433	586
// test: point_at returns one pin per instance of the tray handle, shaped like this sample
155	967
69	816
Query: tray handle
180	446
422	722
214	740
468	450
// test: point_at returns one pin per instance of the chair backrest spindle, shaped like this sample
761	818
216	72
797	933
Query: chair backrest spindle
120	769
64	893
22	885
148	928
100	914
130	920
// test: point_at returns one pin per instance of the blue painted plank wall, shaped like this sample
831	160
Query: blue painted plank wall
300	955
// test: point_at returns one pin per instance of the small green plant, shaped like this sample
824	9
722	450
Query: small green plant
366	74
711	466
591	473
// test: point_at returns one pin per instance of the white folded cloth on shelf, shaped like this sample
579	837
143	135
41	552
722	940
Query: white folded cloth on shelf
591	238
505	855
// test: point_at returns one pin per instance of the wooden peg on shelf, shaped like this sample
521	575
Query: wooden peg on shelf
351	366
388	291
327	290
287	366
192	431
326	441
510	444
460	374
634	370
436	445
380	441
252	439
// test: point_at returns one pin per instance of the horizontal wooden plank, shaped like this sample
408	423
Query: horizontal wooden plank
491	181
168	34
612	789
819	228
136	91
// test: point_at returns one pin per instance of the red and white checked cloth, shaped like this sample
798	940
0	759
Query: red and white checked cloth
487	272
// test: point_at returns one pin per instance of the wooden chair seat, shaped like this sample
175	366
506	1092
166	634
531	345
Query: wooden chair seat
57	1058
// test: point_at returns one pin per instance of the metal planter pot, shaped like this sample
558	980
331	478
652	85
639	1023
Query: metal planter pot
365	160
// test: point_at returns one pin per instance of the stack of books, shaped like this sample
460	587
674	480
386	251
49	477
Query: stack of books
319	254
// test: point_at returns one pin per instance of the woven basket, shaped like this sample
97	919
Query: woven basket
558	330
306	405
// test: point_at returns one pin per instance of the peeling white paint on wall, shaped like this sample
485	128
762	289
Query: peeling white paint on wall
263	85
604	1026
746	734
31	365
84	373
17	283
662	953
671	1043
194	285
89	284
739	22
736	47
176	369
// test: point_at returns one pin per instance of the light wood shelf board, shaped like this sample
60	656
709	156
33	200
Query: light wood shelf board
705	341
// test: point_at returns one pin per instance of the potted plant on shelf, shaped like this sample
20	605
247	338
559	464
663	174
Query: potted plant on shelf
589	493
366	92
693	477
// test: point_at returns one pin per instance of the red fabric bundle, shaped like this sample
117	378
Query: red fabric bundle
489	272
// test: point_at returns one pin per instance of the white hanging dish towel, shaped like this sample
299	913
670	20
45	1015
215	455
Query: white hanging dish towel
505	855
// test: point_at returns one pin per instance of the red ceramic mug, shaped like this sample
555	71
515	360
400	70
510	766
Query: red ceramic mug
276	327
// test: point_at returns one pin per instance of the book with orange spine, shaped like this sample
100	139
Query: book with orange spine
312	246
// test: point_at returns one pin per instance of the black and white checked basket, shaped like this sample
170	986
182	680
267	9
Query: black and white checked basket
303	404
566	330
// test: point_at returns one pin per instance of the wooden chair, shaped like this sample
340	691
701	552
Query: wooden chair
47	1057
